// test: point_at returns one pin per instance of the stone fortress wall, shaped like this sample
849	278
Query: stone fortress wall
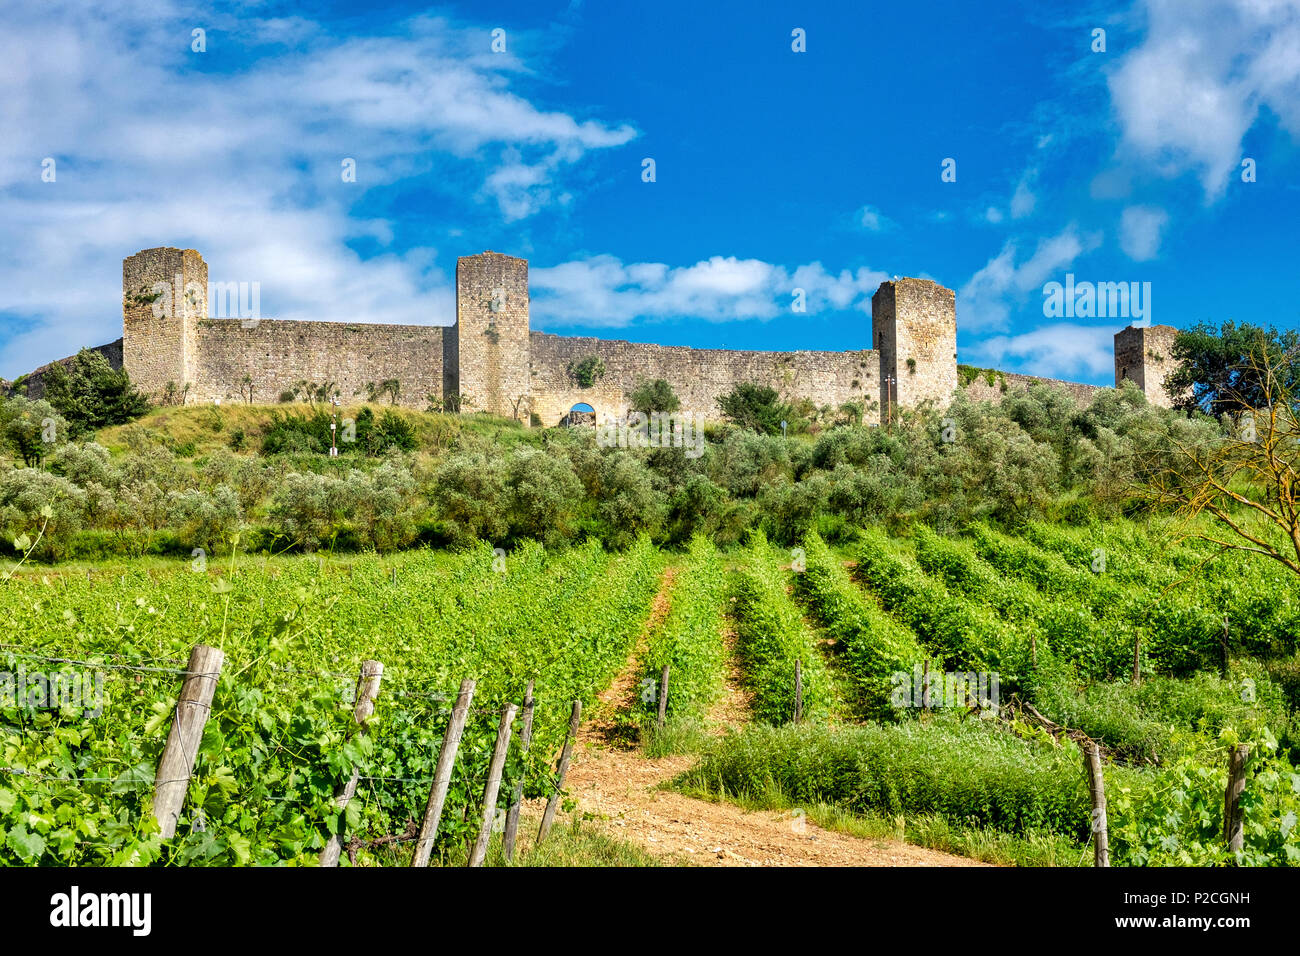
491	360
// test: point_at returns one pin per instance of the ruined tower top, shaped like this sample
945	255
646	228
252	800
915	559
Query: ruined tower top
1144	356
164	296
914	327
492	345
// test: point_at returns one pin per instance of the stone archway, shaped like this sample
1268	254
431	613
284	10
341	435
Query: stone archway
582	413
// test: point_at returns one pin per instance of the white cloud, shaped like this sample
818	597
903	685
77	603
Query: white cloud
154	147
985	301
1064	351
1023	200
604	291
1186	97
872	219
1140	231
993	214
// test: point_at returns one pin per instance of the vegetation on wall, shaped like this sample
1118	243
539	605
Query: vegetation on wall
586	372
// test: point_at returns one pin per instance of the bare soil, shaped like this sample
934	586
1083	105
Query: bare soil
618	785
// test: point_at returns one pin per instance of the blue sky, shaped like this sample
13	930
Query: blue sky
775	169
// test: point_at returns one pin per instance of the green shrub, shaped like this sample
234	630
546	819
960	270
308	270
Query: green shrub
971	772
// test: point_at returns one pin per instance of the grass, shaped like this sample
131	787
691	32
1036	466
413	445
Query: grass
934	832
329	563
973	773
572	843
199	430
678	735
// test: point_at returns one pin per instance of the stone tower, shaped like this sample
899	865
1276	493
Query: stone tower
491	351
914	328
164	296
1144	356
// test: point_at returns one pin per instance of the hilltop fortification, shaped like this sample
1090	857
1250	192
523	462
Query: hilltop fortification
492	360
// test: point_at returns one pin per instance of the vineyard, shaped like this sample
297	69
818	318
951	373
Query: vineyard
77	790
1167	655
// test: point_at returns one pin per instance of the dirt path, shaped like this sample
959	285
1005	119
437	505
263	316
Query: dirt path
617	784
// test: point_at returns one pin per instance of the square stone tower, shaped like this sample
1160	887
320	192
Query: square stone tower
1144	356
164	296
491	352
914	328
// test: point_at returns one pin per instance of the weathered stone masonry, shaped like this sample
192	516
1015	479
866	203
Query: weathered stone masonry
491	360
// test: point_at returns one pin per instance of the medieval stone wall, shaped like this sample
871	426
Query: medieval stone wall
34	382
276	355
493	360
979	389
698	376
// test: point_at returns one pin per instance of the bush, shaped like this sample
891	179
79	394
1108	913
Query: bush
755	407
654	396
31	429
630	504
91	394
25	492
588	371
294	433
970	773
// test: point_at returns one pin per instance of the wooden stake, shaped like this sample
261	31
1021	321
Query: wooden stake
493	788
442	775
1033	650
177	762
553	802
1097	790
1233	818
925	685
1223	666
798	691
1137	658
663	695
372	673
517	797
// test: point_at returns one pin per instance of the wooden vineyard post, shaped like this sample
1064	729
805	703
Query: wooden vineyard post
177	762
442	775
372	673
1097	790
479	853
1137	658
663	695
566	754
798	691
1233	818
517	796
925	686
1033	650
1223	664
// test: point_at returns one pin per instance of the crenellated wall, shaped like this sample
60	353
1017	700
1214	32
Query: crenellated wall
494	360
698	376
276	355
979	389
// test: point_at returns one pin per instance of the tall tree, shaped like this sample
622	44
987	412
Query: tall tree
91	394
1219	369
1247	479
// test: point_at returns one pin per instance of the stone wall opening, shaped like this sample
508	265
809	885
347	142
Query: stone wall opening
580	414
